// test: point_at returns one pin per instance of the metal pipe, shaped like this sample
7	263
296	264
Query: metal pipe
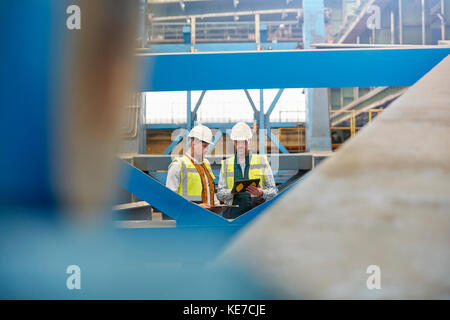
392	28
132	132
400	22
443	19
261	122
193	30
257	32
423	23
188	117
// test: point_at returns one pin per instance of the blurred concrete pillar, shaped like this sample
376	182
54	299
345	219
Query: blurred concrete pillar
257	34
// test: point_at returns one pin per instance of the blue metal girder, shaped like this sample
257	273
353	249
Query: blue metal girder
274	103
199	102
252	104
276	142
216	138
174	143
287	69
268	125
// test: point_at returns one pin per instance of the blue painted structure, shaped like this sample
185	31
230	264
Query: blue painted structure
324	68
287	69
401	67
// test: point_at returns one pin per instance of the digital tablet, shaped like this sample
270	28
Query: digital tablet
241	185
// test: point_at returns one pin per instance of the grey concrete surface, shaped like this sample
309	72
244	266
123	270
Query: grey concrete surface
382	199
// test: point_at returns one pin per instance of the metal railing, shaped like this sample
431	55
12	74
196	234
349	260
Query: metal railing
354	114
352	129
290	30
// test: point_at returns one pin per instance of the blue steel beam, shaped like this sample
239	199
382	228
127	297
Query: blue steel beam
268	125
252	104
174	143
216	139
286	69
274	103
199	102
276	142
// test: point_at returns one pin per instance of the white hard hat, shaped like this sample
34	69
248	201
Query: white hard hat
202	133
241	131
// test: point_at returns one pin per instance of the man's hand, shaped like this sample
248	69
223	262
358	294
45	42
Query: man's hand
256	191
205	206
210	208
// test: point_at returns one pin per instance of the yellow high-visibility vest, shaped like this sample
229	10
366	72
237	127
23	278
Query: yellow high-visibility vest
257	170
190	181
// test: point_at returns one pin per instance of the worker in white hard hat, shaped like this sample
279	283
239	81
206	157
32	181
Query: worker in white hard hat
191	175
244	165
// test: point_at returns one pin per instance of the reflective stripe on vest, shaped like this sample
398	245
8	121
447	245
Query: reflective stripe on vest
257	170
190	181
